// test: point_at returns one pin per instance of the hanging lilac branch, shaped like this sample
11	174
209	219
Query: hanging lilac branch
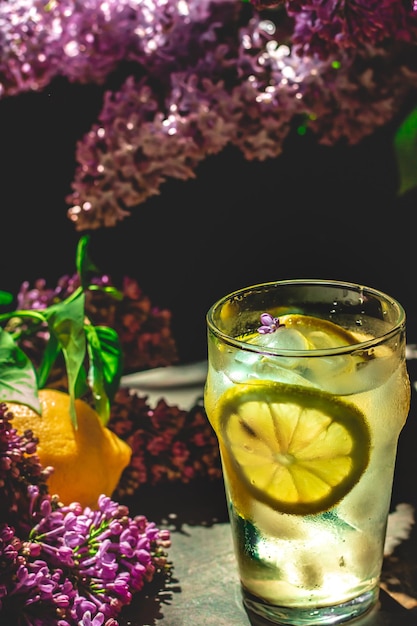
327	27
210	74
86	40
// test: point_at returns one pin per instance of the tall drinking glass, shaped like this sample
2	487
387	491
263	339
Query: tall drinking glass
307	391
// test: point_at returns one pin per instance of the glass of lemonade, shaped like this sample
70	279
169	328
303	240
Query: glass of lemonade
307	391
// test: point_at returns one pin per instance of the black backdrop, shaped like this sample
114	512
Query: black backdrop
314	211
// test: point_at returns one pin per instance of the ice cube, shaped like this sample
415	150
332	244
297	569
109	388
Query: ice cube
333	373
282	339
276	369
264	365
349	374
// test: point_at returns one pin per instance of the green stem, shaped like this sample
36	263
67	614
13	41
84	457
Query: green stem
34	314
73	296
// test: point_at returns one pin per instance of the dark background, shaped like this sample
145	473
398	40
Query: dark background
315	211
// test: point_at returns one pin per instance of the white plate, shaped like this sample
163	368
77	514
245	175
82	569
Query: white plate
178	385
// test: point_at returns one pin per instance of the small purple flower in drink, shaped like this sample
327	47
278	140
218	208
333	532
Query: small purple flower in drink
269	324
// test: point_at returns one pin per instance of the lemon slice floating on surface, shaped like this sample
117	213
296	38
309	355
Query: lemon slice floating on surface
320	333
337	372
297	449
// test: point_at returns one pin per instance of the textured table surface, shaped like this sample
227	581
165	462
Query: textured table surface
205	590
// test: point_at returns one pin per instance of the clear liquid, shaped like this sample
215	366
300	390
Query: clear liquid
302	564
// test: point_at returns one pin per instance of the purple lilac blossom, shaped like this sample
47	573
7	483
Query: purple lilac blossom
23	480
169	445
97	620
107	554
85	41
31	593
65	565
269	324
77	561
212	73
144	330
326	26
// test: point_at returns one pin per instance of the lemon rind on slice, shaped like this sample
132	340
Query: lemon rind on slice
317	330
299	450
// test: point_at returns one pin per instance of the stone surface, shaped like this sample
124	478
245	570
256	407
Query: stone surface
205	588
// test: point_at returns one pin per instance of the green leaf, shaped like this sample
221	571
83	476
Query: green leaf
96	376
85	266
52	350
5	298
86	269
112	358
81	385
405	146
66	323
73	336
111	291
17	374
106	366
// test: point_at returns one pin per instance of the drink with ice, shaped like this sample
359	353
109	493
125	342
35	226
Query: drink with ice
307	391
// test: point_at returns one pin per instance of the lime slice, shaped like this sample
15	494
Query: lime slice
297	449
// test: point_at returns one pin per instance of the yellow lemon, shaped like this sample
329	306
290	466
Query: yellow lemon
87	461
297	449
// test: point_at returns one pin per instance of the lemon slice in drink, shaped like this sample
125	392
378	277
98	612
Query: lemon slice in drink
319	333
299	450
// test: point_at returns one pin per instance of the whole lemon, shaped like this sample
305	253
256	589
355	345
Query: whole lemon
88	460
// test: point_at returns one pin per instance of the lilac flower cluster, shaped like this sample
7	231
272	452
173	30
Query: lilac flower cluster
326	27
22	476
65	565
212	73
168	444
144	330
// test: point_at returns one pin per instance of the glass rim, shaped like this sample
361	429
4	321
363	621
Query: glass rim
397	326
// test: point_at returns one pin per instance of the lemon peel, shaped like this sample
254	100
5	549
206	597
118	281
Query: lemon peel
320	333
88	460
